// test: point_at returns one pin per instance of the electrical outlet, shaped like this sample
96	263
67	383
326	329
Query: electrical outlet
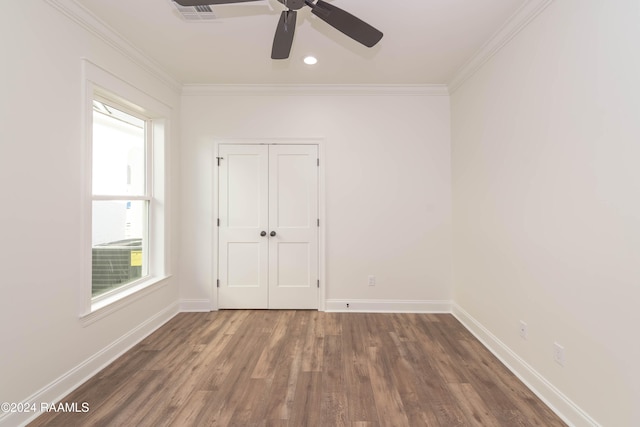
372	280
524	330
558	353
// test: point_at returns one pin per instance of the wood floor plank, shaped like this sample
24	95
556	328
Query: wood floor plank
472	405
307	400
410	391
389	404
284	382
191	413
362	407
334	408
125	401
333	379
251	408
269	356
258	368
313	347
332	324
436	401
181	383
520	398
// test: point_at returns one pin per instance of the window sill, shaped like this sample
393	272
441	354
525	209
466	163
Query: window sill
106	306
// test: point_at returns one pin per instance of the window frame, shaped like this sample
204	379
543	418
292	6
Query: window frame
101	85
147	197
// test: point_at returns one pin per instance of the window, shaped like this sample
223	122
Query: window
121	198
124	222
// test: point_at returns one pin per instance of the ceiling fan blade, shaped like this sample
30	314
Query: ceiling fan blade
208	2
283	39
345	22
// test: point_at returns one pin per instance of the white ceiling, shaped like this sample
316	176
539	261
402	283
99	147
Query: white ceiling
425	41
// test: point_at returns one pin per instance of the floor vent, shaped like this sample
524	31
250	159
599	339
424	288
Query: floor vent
195	13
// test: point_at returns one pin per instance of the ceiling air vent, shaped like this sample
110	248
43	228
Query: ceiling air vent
194	13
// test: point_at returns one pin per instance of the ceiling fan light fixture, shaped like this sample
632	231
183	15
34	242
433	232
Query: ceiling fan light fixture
310	60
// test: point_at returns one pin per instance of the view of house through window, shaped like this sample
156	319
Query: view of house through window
121	198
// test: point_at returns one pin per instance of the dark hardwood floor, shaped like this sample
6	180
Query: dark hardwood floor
306	368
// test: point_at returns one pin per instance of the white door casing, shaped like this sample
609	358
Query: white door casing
268	189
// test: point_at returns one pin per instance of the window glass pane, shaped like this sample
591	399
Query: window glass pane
119	243
118	152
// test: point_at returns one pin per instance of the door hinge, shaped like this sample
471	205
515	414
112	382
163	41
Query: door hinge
218	222
318	282
218	283
318	222
318	162
219	158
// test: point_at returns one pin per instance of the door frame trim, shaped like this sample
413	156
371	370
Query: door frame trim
320	142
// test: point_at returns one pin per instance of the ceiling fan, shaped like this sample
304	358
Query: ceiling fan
339	19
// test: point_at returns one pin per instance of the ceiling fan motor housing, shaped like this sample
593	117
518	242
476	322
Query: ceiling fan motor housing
293	4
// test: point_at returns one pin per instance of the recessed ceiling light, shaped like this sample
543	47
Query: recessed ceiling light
310	60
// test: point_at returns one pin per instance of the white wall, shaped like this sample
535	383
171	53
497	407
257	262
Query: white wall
546	216
545	182
41	209
387	162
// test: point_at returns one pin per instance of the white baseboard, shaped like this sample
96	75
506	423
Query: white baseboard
68	382
387	306
570	413
195	305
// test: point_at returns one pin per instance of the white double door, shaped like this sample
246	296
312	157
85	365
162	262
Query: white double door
268	226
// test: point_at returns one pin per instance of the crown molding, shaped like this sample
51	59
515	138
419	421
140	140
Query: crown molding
314	90
518	21
87	20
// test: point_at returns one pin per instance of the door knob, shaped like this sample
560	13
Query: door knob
263	233
273	233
